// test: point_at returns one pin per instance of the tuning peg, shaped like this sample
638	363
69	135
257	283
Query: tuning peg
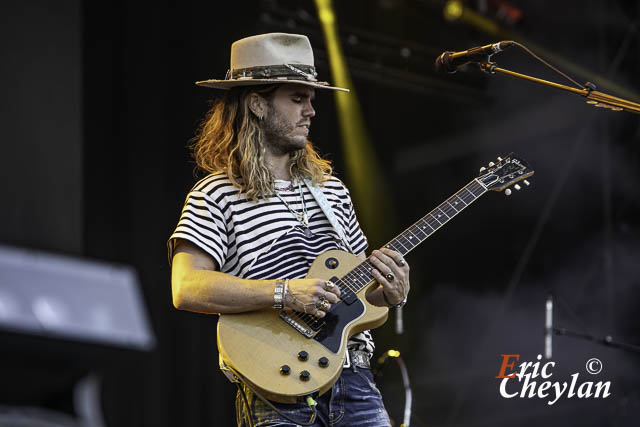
499	159
482	169
517	187
491	164
507	192
527	183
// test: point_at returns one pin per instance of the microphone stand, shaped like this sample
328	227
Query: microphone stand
607	340
595	98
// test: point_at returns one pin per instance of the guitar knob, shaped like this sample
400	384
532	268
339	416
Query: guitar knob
305	375
507	192
323	362
303	356
527	183
517	187
285	370
331	263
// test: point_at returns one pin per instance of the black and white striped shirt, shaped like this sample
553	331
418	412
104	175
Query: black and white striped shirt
262	239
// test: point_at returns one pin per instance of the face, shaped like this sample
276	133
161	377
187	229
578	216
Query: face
288	118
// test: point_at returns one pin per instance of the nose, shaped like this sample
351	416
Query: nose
308	110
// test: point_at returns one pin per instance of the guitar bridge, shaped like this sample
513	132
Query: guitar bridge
304	330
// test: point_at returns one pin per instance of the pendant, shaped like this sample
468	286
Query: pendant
307	233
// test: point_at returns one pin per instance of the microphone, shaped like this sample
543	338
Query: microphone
451	61
548	327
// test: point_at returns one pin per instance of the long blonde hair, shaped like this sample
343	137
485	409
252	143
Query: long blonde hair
229	140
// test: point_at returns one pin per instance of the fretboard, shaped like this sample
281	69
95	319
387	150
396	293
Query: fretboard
404	243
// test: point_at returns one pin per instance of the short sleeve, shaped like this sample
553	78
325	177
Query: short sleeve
203	224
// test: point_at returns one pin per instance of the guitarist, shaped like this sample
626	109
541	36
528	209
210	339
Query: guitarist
251	228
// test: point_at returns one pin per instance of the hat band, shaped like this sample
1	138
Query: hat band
286	71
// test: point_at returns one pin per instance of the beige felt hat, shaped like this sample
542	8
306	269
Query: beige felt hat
271	58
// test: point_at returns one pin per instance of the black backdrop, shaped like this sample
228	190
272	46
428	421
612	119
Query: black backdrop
121	74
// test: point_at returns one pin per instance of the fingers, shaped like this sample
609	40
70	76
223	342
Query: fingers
385	264
391	272
312	296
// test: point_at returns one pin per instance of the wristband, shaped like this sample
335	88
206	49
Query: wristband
398	305
278	295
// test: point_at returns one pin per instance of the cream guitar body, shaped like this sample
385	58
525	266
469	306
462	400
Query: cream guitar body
287	356
268	350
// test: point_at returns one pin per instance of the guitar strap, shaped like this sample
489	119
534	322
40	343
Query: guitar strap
328	212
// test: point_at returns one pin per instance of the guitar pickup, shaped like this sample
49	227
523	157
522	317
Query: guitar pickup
346	295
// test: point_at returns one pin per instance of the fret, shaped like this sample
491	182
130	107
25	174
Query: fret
443	212
435	224
397	242
404	242
413	238
418	232
390	246
462	200
478	188
473	197
424	222
453	207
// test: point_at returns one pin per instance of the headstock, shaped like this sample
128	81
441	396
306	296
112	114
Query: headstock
505	173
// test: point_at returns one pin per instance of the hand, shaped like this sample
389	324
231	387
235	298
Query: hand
395	287
311	296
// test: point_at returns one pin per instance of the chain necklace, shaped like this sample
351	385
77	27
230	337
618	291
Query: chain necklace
302	217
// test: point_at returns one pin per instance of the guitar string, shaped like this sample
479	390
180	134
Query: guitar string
449	212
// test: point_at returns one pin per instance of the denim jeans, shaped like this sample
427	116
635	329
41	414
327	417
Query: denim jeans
354	400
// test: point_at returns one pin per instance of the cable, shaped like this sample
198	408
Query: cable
523	47
246	405
408	396
312	403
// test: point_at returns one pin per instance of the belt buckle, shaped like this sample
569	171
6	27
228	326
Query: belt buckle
347	360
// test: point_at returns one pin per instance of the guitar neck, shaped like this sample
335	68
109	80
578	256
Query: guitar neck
424	228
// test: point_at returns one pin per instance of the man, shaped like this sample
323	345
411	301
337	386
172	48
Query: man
250	230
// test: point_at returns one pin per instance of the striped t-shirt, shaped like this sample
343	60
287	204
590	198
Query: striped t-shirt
263	239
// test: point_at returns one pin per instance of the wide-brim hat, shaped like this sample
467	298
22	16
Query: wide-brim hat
270	59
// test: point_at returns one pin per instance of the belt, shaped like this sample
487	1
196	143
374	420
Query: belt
357	358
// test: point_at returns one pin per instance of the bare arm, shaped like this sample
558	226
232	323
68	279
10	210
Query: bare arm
198	286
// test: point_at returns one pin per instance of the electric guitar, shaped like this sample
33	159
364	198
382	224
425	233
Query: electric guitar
286	356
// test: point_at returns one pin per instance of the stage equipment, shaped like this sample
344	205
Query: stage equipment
408	396
265	347
63	321
54	296
451	61
593	97
548	327
607	340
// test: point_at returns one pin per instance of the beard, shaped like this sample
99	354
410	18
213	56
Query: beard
280	134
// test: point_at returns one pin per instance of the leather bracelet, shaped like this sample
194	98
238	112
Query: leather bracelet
398	305
278	295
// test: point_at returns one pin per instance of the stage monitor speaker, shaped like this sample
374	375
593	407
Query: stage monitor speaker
60	297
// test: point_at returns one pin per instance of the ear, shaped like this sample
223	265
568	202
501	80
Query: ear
257	104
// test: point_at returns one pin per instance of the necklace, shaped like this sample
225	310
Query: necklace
302	217
282	185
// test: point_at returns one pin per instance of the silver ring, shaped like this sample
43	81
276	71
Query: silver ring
323	304
328	285
389	276
402	262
